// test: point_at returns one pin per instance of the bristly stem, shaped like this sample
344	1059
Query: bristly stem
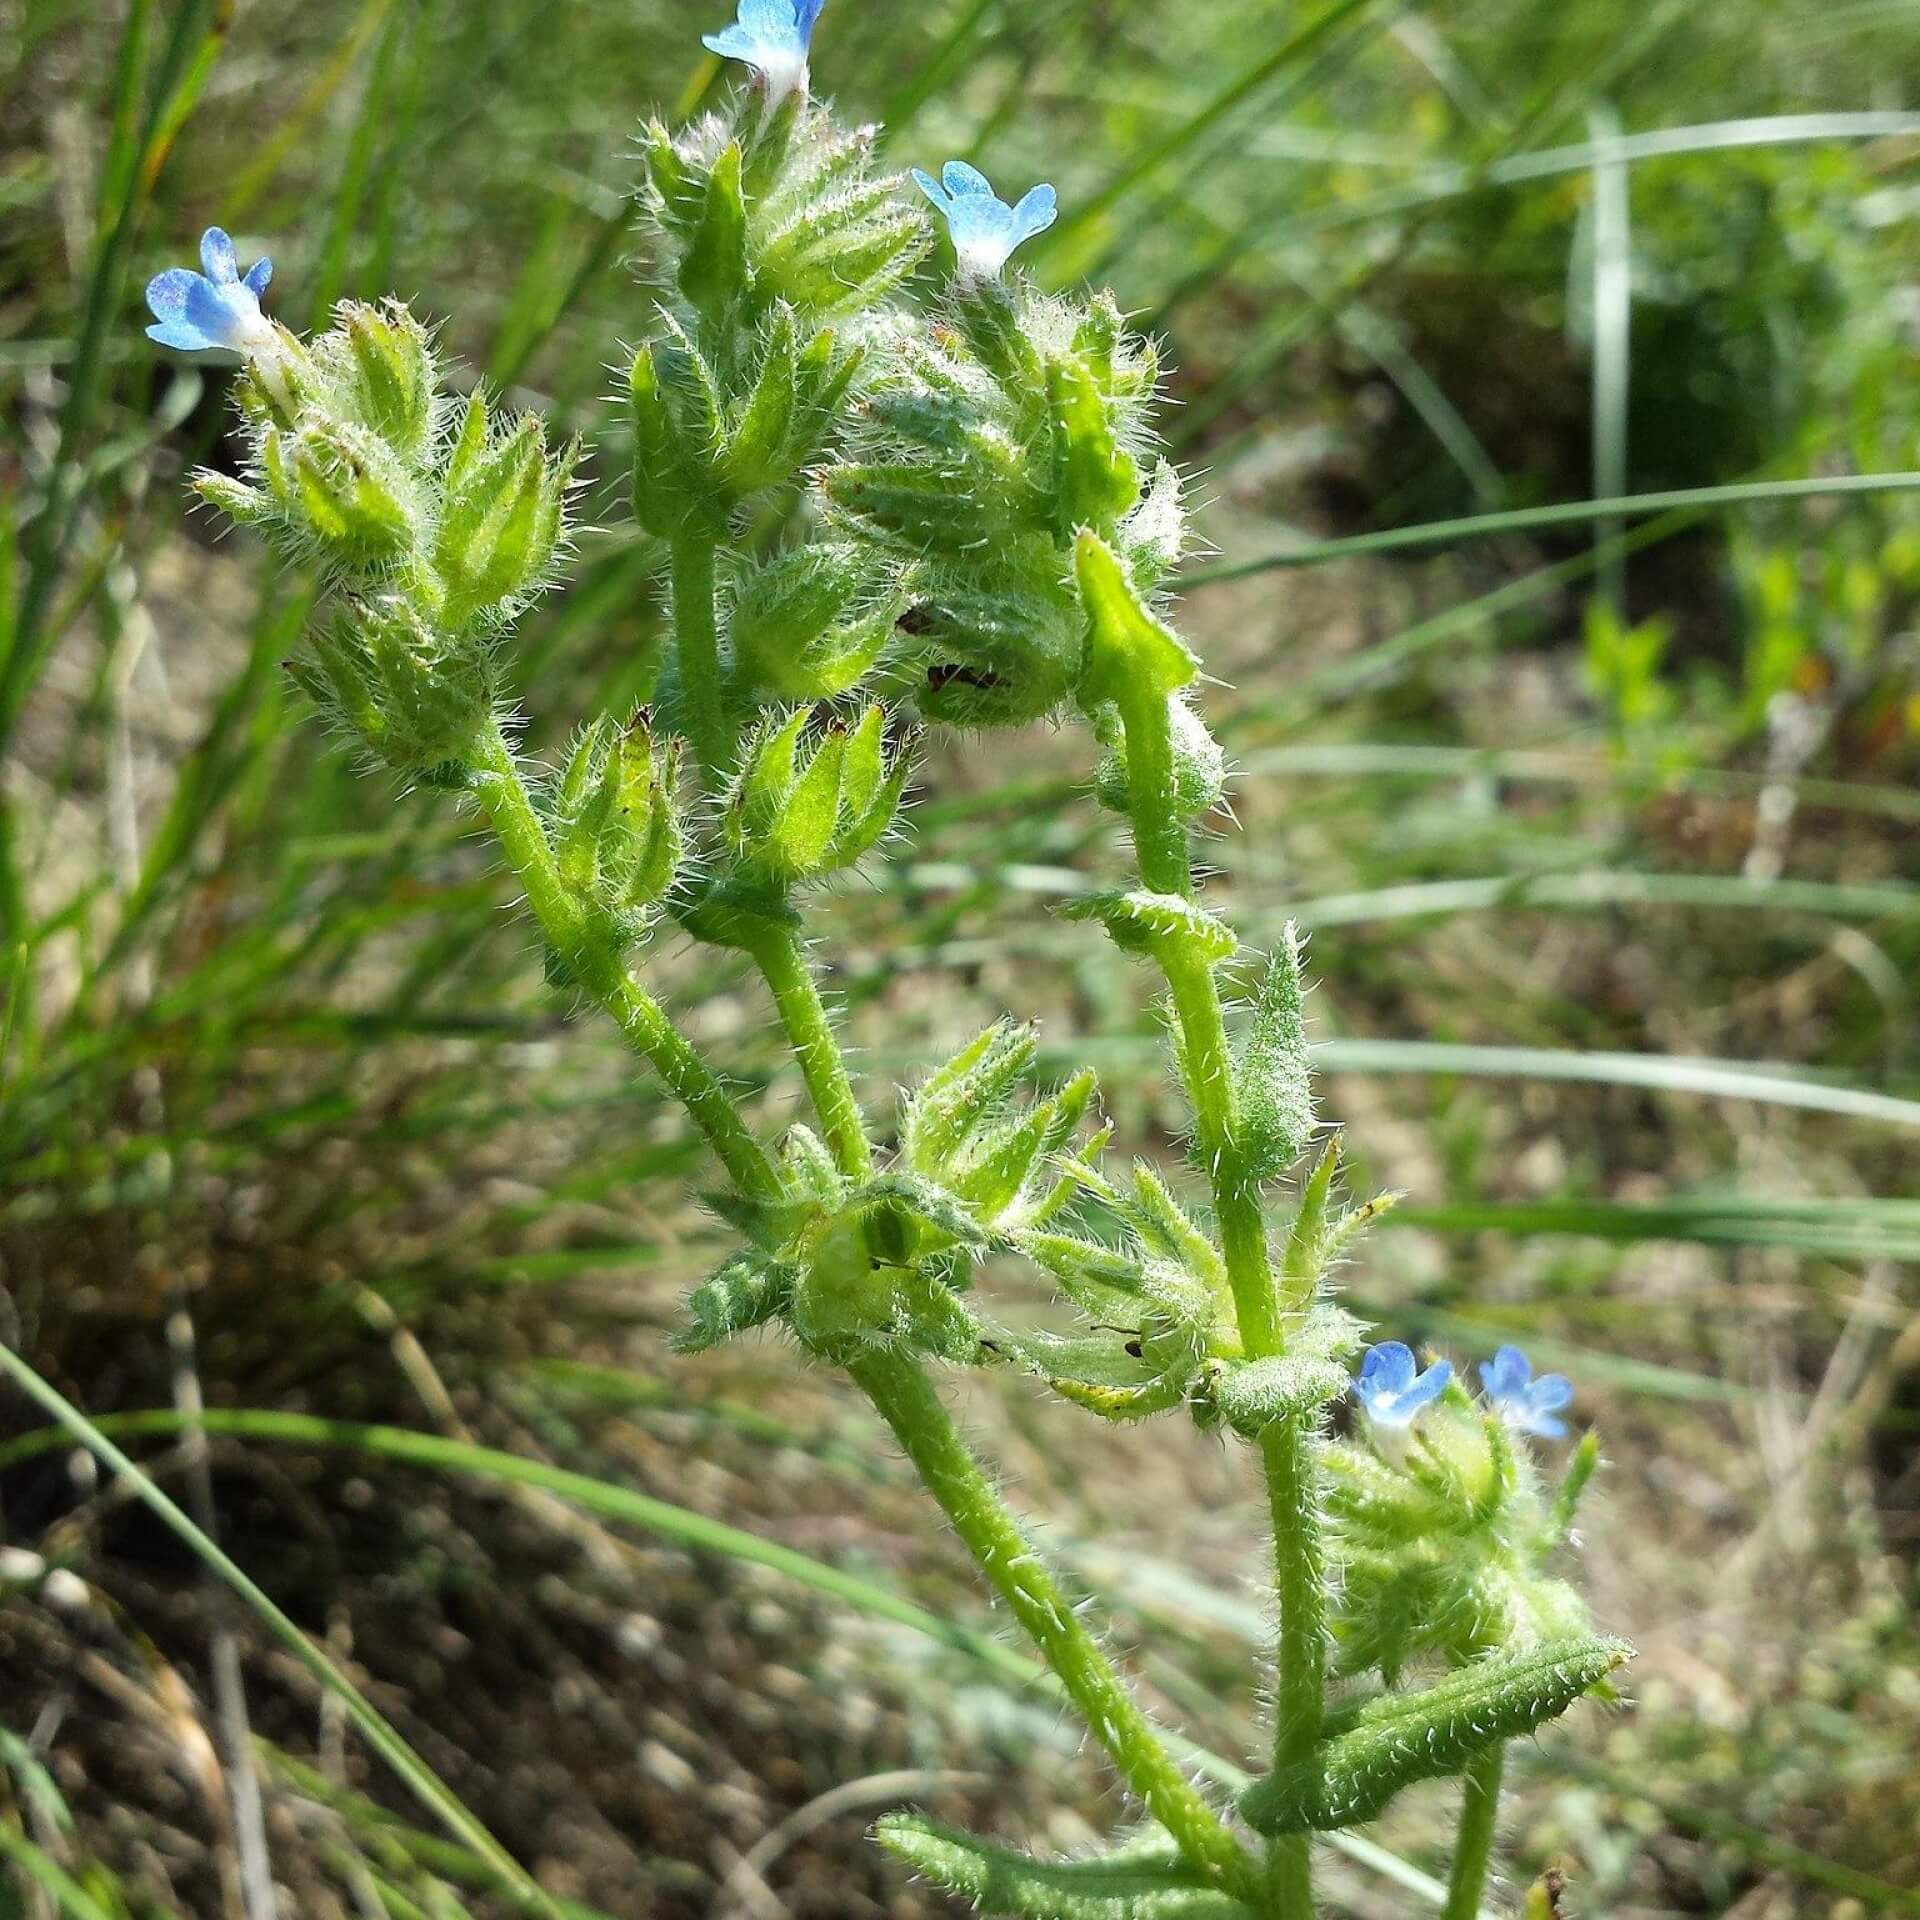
1473	1847
696	641
1287	1448
899	1388
809	1031
601	970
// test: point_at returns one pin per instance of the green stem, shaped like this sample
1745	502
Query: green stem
1473	1847
602	972
905	1397
810	1033
1159	821
1287	1448
696	642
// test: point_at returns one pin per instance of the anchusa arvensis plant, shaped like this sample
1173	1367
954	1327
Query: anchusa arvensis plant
883	514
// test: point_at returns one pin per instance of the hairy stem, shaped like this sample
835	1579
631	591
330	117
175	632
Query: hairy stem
1473	1846
696	642
1287	1448
810	1034
602	972
905	1397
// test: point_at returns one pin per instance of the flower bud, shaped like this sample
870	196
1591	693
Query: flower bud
795	816
811	623
615	820
678	440
503	513
385	371
344	491
1003	651
416	698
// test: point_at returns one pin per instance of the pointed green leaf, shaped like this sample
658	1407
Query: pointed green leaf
1273	1084
1403	1736
1095	480
748	1291
1001	1880
713	272
1131	652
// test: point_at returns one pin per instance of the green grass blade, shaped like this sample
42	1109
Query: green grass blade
379	1734
70	1898
1666	1073
1486	526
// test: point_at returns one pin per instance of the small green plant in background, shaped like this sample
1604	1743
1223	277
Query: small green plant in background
885	515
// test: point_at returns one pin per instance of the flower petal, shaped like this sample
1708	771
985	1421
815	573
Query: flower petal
180	336
1550	1392
805	14
965	182
258	276
1036	212
1505	1376
1388	1367
932	189
216	258
167	292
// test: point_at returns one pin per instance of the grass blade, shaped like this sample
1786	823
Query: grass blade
379	1734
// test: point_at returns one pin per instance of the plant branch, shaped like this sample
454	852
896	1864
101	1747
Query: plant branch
602	971
898	1386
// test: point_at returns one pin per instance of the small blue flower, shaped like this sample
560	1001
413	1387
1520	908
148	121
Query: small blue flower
1520	1399
1391	1387
773	37
985	229
214	308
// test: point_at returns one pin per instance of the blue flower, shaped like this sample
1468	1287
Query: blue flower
985	230
772	37
1520	1399
214	308
1391	1387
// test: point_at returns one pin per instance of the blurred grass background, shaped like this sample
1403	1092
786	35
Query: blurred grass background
1607	834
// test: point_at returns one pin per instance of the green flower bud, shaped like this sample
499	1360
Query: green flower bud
679	440
811	623
846	1300
502	515
1001	647
343	491
416	698
1273	1116
615	820
797	816
383	366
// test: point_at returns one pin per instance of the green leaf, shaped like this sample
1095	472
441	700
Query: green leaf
1400	1737
714	273
1095	480
1273	1085
1131	652
1255	1395
763	452
1001	1880
1155	924
748	1291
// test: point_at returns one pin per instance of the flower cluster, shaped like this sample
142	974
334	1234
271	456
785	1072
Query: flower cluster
1392	1389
